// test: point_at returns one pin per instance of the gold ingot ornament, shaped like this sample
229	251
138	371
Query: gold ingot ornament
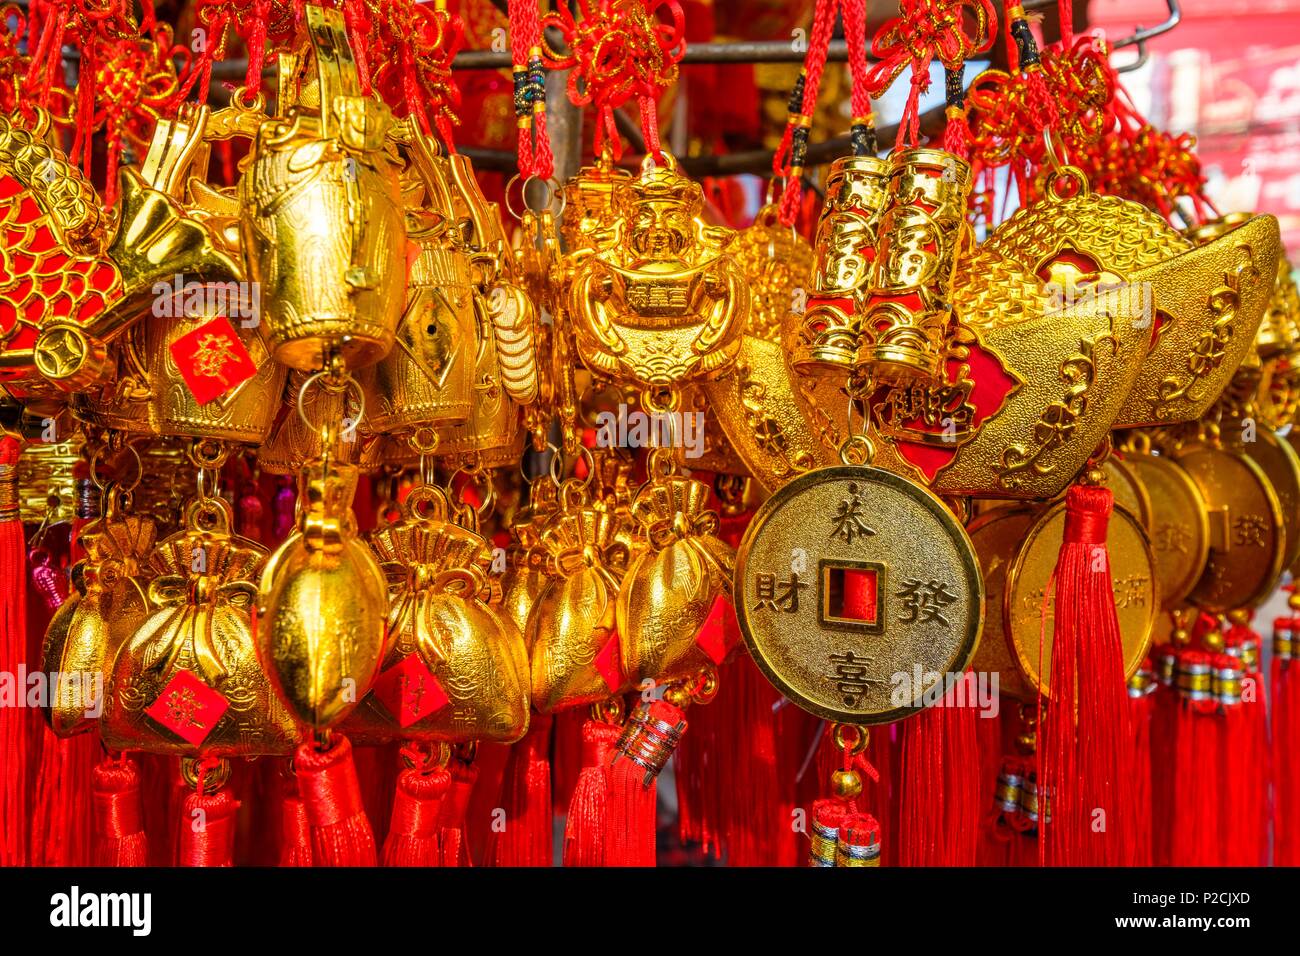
659	302
856	589
189	681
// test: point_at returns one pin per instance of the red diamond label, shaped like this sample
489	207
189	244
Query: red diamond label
714	636
188	708
212	360
409	691
609	664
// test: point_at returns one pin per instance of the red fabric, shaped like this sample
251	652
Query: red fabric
119	838
331	793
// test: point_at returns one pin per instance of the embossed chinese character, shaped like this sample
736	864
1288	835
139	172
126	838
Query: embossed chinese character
850	676
775	595
1248	531
1172	537
182	708
924	601
847	520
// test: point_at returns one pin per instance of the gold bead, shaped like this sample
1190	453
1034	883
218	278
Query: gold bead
846	784
1239	616
677	695
1181	636
1094	476
1293	601
1213	640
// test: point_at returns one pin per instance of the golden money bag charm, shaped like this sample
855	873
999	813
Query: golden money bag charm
526	573
323	602
455	668
674	606
323	229
659	301
107	606
778	264
189	681
572	634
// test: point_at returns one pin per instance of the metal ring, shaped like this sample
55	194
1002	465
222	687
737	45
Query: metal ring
94	470
860	736
558	455
490	493
349	382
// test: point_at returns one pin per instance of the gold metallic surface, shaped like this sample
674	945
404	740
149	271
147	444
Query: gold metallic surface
659	301
322	226
1029	599
777	263
1208	305
671	587
997	535
322	603
1180	526
437	575
202	599
857	517
1246	532
107	606
1278	460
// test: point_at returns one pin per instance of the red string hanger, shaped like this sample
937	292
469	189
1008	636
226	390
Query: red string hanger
535	157
925	31
620	50
788	163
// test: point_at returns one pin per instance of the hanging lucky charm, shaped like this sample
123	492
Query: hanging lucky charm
347	475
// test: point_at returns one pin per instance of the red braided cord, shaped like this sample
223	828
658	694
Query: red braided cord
814	65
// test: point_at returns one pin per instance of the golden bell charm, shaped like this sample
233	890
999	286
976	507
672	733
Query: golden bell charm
322	604
675	597
108	606
188	681
572	630
659	302
323	232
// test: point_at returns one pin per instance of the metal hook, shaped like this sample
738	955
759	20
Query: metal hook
1143	34
1141	61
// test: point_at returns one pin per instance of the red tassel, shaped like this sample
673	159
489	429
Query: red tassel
828	816
1086	761
1197	804
584	828
568	754
61	825
939	798
1164	723
15	722
1286	740
119	838
327	781
208	829
648	740
1141	705
417	805
295	831
452	846
526	839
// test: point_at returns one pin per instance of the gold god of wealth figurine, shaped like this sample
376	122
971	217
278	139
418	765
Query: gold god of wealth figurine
659	301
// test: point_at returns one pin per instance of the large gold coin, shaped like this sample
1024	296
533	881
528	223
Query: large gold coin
856	590
997	535
1180	528
1029	619
1245	528
1281	466
1293	439
1128	489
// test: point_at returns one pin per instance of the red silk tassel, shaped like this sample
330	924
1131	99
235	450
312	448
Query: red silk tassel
1141	706
340	830
584	827
208	829
452	846
649	737
295	830
1244	744
62	814
119	838
569	751
417	806
526	839
1164	722
939	796
1086	761
15	722
1286	741
1197	804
